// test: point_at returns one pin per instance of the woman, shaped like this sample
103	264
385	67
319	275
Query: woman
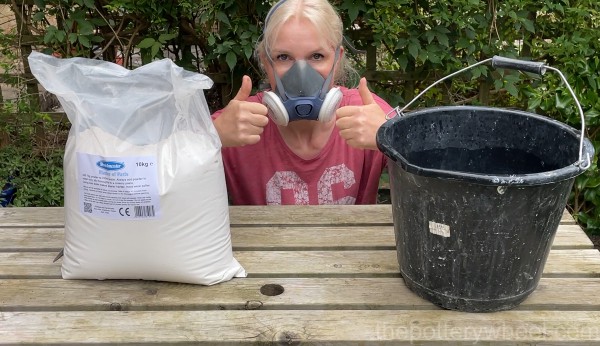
305	141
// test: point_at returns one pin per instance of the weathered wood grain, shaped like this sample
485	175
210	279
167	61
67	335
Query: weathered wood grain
282	238
245	294
311	327
380	214
356	263
317	275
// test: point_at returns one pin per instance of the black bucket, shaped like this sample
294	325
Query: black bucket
477	196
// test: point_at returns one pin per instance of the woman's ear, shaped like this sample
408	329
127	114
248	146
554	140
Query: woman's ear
263	62
341	57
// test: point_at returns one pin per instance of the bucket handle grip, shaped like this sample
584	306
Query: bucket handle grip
519	65
513	64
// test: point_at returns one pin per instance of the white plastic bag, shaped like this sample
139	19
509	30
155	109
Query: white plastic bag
145	194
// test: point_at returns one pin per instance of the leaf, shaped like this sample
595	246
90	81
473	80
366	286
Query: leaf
592	113
401	43
222	17
98	22
78	15
69	23
534	102
146	43
89	3
50	34
463	42
155	49
248	50
72	38
231	59
528	24
38	16
512	89
60	36
497	84
353	13
413	49
84	41
429	35
164	38
403	62
589	194
471	34
48	37
593	182
85	27
211	40
562	101
443	39
435	58
423	55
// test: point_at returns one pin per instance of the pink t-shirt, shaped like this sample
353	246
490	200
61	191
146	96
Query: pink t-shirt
269	173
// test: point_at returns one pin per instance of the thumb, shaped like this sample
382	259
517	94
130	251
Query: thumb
365	93
245	89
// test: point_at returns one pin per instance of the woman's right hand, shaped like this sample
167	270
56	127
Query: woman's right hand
241	122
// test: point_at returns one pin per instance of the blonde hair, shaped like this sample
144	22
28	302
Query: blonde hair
320	13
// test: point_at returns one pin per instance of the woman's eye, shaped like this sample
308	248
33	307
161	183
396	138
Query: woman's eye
282	57
317	56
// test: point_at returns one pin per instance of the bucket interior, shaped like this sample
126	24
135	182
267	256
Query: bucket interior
481	143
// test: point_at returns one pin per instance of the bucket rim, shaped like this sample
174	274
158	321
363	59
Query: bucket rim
570	171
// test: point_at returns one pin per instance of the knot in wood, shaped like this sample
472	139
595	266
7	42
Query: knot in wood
288	338
253	305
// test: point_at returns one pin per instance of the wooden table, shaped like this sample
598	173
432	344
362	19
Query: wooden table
317	275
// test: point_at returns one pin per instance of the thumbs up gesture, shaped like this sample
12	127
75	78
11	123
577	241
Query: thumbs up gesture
358	125
241	122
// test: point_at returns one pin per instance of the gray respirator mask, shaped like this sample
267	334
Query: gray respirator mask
302	94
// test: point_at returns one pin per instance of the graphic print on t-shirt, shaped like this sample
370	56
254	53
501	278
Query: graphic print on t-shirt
333	182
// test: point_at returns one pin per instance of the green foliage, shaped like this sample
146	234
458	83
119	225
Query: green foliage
419	39
33	157
40	177
428	40
216	37
75	32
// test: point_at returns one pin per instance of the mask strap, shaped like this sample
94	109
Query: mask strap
278	85
273	9
325	87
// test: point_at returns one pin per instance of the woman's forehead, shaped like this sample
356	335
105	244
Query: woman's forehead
299	35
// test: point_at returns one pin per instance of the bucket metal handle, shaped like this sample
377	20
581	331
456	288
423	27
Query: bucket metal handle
513	64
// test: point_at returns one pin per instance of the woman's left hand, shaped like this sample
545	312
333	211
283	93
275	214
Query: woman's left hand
358	125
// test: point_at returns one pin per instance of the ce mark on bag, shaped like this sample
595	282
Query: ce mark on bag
124	211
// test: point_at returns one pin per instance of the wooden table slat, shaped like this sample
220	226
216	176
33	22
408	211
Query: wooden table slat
359	263
245	294
288	238
332	327
317	275
380	214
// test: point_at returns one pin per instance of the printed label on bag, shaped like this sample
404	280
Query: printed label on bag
439	229
118	187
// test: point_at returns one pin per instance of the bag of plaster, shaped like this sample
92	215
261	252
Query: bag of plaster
145	194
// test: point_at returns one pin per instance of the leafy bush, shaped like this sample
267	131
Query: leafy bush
38	178
417	41
34	158
428	40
